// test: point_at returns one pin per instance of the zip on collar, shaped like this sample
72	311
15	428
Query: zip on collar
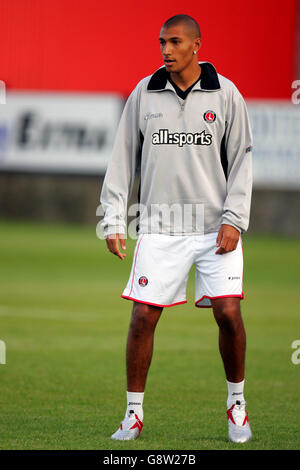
208	80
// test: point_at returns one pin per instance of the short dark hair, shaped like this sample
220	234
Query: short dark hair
185	19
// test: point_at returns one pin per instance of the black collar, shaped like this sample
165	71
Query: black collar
208	78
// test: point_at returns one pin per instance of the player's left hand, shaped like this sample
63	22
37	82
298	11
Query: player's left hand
227	239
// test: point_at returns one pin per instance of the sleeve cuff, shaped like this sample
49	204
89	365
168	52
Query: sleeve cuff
112	229
228	222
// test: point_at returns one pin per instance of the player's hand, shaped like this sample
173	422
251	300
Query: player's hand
227	239
112	242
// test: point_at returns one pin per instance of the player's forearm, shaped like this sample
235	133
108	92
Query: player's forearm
114	202
236	211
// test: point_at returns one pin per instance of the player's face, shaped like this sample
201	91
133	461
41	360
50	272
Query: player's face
177	47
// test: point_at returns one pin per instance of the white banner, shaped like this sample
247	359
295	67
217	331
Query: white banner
276	147
58	132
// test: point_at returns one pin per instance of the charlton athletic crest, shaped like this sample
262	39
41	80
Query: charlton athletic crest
143	281
209	116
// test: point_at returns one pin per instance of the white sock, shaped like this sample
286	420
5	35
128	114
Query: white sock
135	403
235	392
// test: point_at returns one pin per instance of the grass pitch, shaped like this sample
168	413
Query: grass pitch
65	328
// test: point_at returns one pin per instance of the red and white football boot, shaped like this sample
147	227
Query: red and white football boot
238	423
130	428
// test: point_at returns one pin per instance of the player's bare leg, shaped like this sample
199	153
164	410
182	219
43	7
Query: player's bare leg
138	359
232	336
140	344
232	345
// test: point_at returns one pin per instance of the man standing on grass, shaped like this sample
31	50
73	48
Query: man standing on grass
186	130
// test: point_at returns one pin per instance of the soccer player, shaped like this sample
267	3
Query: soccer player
185	130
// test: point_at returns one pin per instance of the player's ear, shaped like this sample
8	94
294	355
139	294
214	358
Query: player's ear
197	44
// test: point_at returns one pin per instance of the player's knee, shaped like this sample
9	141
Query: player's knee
229	317
143	319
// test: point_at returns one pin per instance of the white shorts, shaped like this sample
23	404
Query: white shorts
161	266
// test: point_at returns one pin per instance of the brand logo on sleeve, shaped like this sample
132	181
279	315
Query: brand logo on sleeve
164	136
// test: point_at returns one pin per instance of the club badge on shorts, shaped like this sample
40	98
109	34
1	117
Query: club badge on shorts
209	116
143	281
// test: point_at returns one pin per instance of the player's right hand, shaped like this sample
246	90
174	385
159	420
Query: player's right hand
112	242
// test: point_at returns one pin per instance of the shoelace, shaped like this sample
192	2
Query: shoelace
240	407
239	412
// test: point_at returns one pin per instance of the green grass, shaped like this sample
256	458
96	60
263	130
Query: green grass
65	328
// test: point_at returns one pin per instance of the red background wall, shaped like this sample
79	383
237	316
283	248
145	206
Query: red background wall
90	45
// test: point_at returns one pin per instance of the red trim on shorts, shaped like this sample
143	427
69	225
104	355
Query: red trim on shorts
243	265
135	263
241	296
151	303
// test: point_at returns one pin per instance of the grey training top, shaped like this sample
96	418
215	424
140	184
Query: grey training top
193	153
